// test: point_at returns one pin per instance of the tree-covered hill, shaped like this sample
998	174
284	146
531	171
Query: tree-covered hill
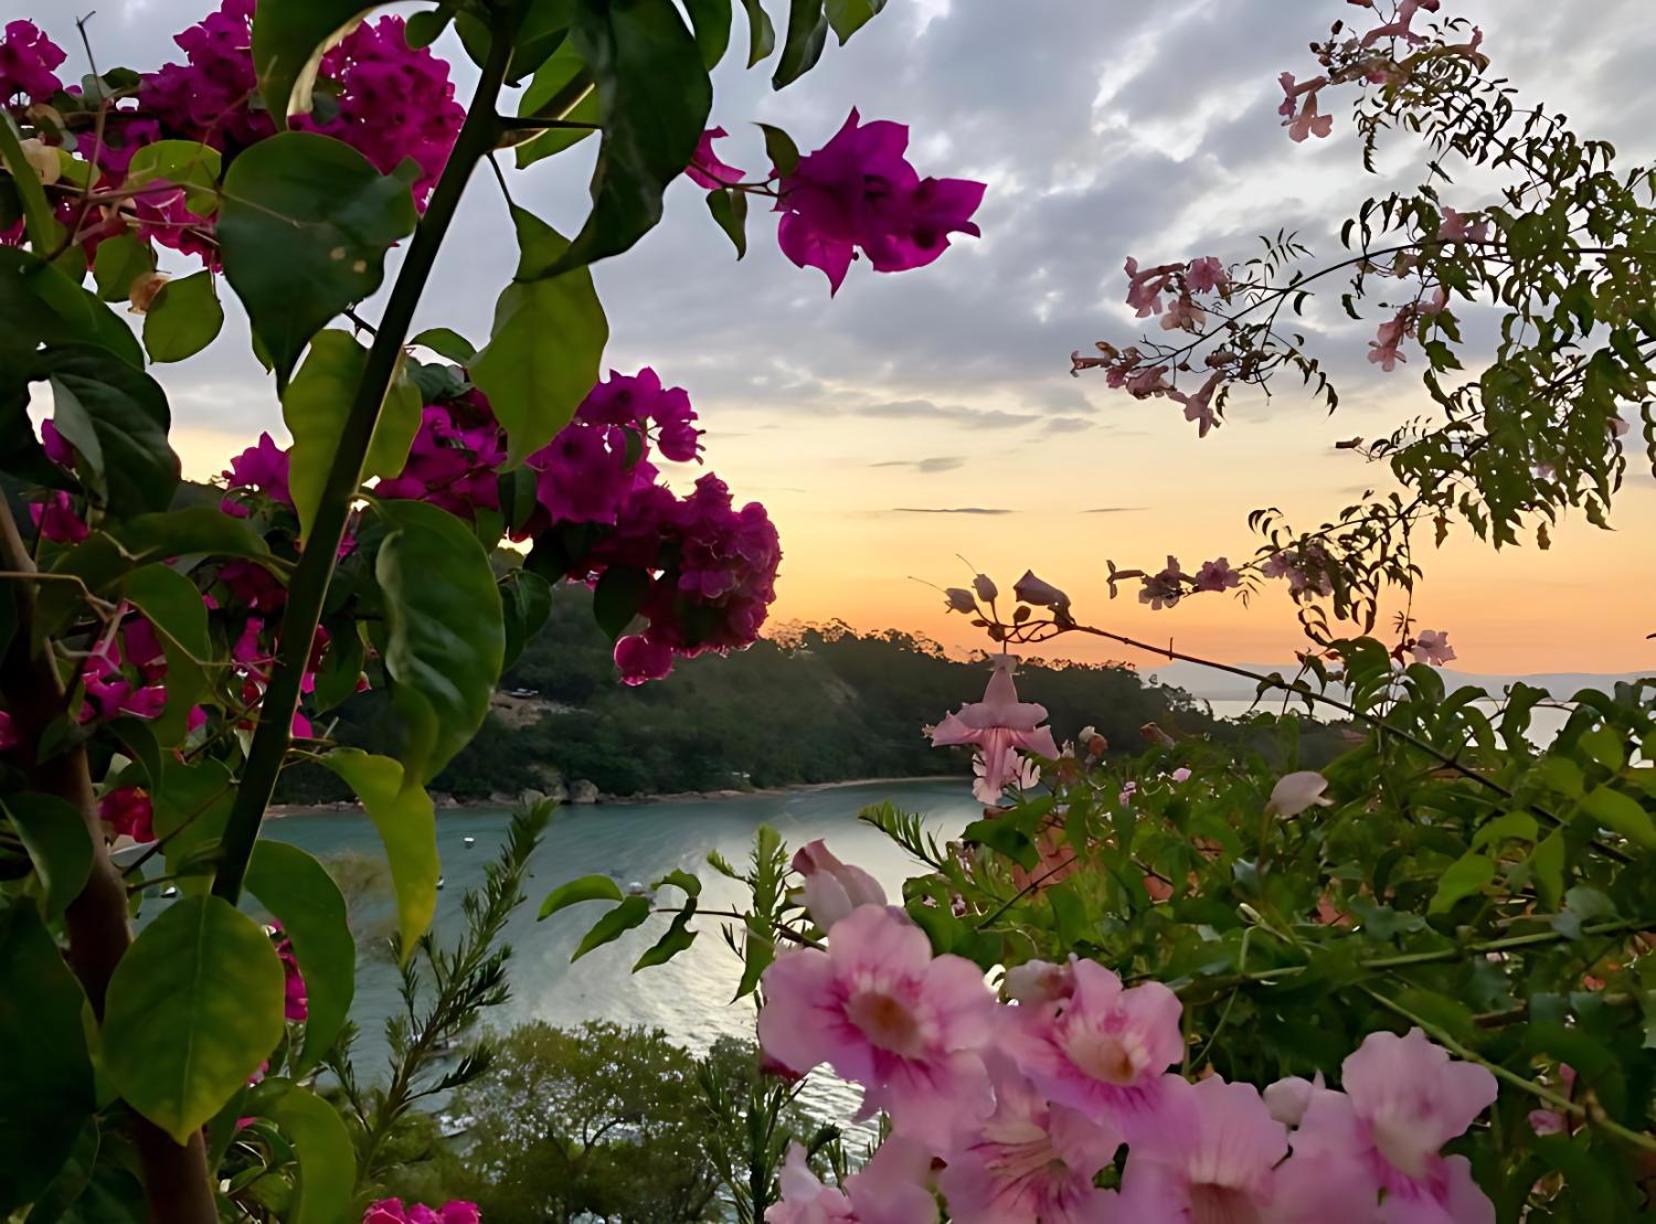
809	704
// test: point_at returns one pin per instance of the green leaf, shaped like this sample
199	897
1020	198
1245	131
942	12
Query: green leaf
547	343
1620	813
187	163
587	888
681	880
761	33
68	1188
120	261
426	27
758	951
54	834
1002	837
117	418
327	1160
848	16
1604	744
315	407
191	808
446	342
193	1008
185	318
807	36
526	599
407	824
303	231
1547	863
677	939
561	89
46	1091
445	640
341	669
729	209
653	100
302	896
620	593
289	38
1465	876
1517	826
197	530
622	918
781	149
711	21
173	606
40	304
138	738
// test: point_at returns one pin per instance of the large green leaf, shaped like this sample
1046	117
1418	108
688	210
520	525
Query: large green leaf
561	86
807	36
194	1007
303	231
289	38
587	888
849	16
407	825
711	21
445	636
302	895
46	1090
327	1161
173	606
1622	813
196	530
547	345
315	406
761	33
59	846
121	260
117	418
39	304
613	925
653	99
677	938
183	319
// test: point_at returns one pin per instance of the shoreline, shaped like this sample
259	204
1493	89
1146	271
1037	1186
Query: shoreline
277	811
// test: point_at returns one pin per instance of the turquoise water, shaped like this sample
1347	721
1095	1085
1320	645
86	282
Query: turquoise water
690	996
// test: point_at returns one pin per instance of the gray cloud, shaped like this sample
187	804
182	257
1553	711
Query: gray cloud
1115	510
1068	424
949	510
939	463
923	409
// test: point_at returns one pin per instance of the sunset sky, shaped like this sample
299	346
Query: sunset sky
929	414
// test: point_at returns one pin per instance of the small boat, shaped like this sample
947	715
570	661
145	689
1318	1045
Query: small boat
169	892
468	841
439	881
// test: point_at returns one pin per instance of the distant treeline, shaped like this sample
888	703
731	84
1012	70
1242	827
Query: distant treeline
809	704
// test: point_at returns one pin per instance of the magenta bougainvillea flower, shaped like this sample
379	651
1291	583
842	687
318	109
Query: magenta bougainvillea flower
27	60
705	168
392	1211
858	192
999	727
881	1010
127	811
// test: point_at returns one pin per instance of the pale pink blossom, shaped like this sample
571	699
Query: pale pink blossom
1404	1099
1617	426
1296	792
832	888
1308	122
1180	775
999	726
1184	315
1457	227
1198	407
1032	1161
1038	981
1288	1098
1219	1170
884	1013
1435	303
889	1189
1206	275
1146	381
1432	646
1164	589
1384	348
1217	575
1547	1122
1144	288
1031	590
1104	1049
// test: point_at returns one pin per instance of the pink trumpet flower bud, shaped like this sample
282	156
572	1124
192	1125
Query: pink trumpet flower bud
1031	590
832	888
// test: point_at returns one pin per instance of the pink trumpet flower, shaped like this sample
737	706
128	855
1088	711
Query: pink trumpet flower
998	726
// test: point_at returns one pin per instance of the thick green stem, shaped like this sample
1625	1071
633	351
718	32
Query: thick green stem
315	570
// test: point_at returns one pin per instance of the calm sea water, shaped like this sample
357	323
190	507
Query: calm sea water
1546	721
690	997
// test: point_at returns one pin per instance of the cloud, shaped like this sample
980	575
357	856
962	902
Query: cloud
1115	510
949	510
939	463
1068	424
925	409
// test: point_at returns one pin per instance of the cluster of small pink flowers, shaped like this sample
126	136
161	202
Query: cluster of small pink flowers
858	193
1306	568
1023	1103
128	812
1000	728
27	62
1146	286
392	1211
263	469
453	460
1432	647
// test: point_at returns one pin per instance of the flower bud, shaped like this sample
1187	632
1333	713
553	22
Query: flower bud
960	600
144	290
43	158
1031	590
985	588
1296	792
832	888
